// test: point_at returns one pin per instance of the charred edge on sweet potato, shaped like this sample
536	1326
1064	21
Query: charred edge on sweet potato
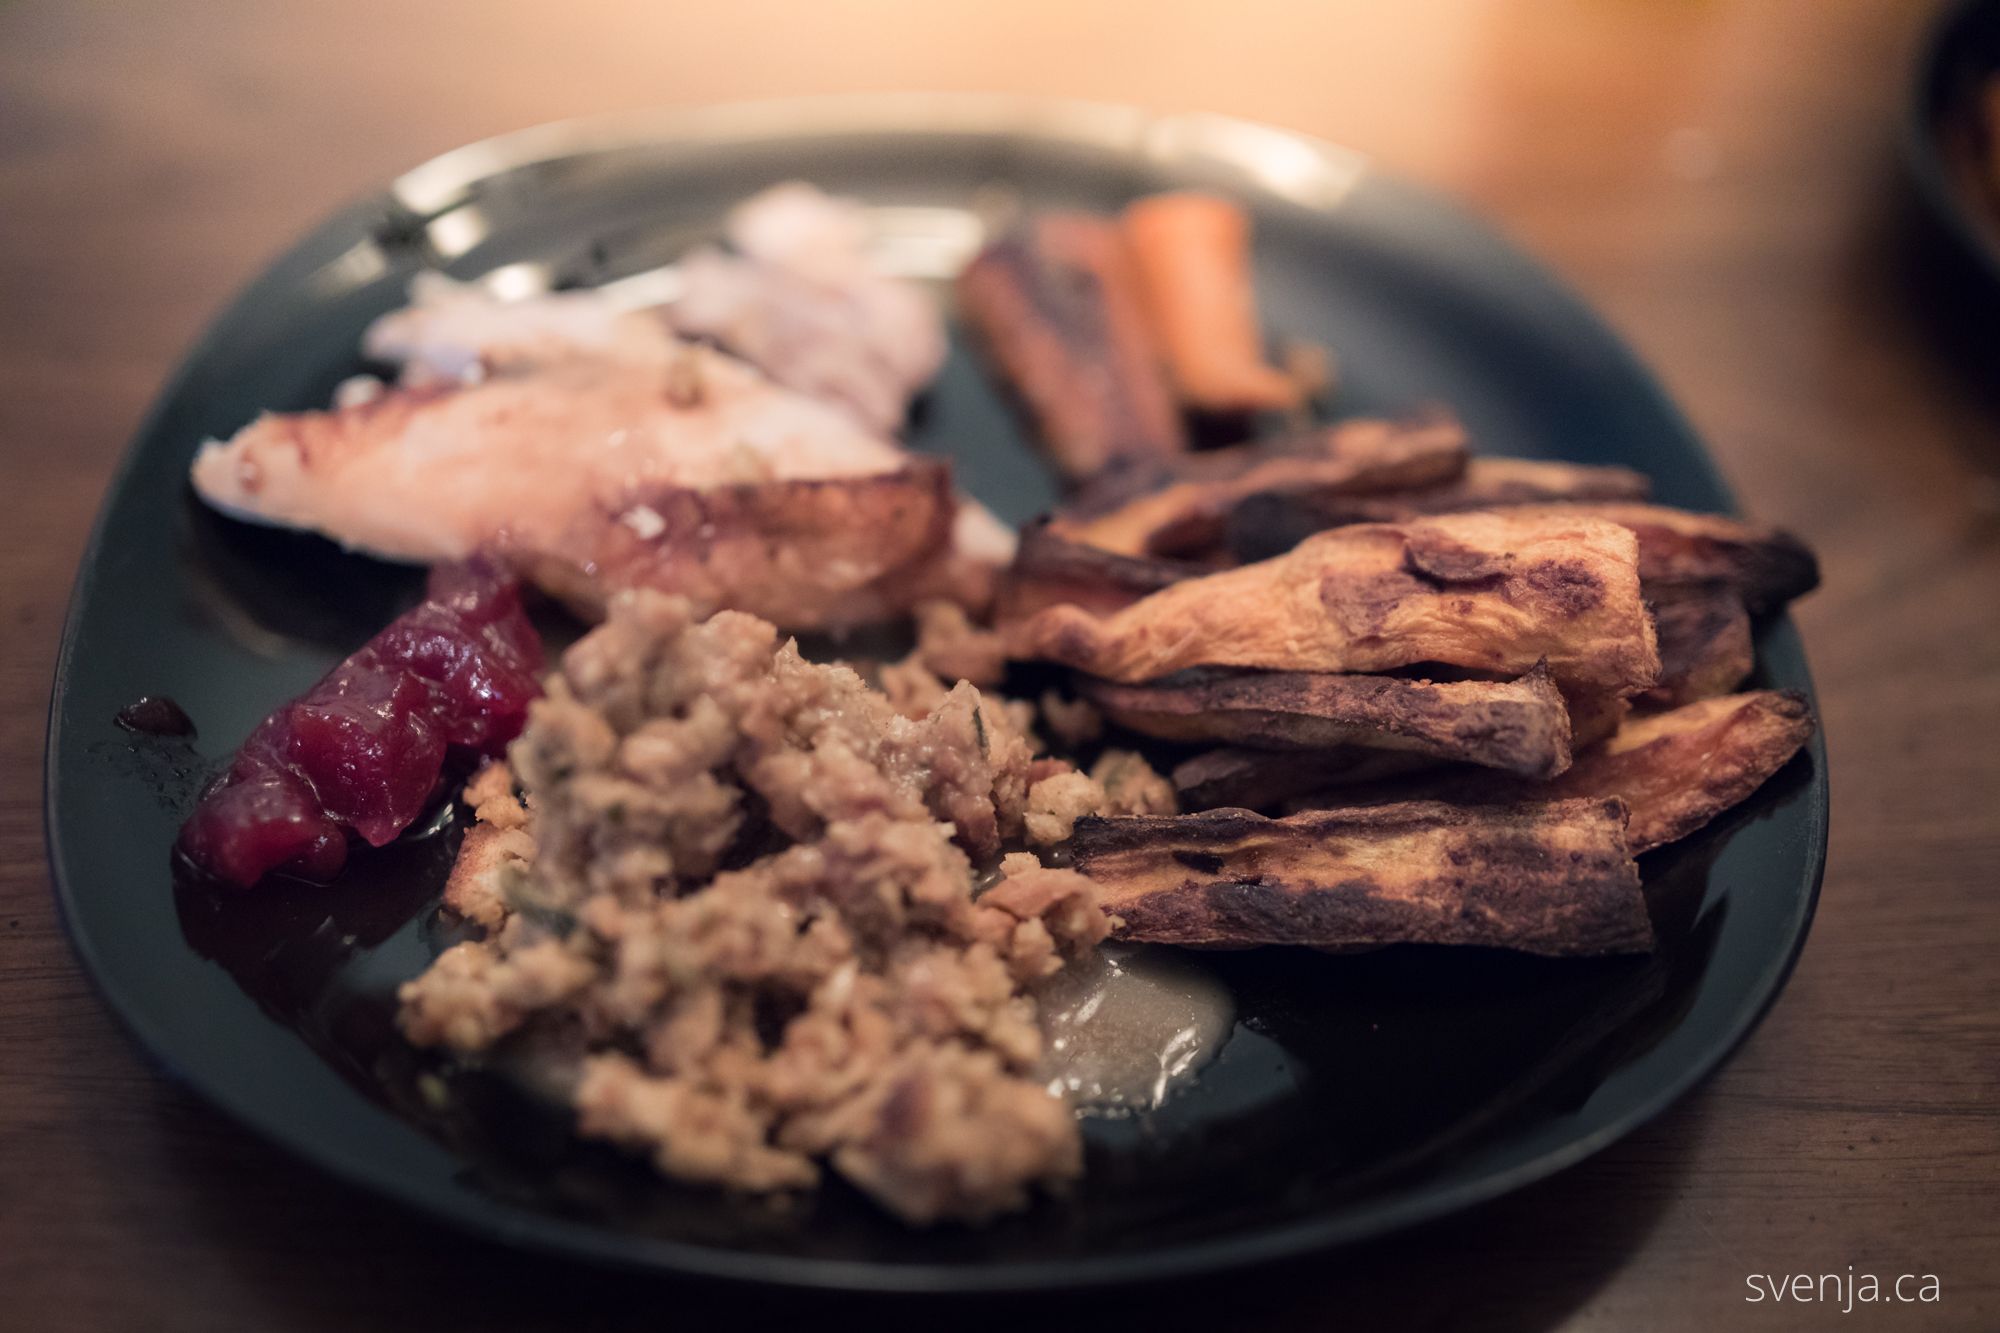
1705	647
1594	715
1273	522
1676	770
1679	770
1766	566
1519	726
1491	592
1049	569
1233	775
1547	877
1181	507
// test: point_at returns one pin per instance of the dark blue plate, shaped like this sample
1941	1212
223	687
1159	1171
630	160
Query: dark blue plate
1358	1094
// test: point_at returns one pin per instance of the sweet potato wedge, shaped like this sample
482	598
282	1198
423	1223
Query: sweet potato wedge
1056	306
1181	507
1233	775
1049	569
1676	770
1494	592
1546	877
1703	629
1594	715
1680	769
1705	647
1273	522
806	554
1677	548
1517	726
1191	253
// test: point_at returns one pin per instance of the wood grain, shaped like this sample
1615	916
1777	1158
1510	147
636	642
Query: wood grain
1717	177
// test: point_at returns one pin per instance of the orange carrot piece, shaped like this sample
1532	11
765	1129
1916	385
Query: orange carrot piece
1192	256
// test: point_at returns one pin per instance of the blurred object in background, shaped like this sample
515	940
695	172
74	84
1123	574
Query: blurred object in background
1952	144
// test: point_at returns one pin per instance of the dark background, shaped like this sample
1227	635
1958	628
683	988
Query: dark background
1720	179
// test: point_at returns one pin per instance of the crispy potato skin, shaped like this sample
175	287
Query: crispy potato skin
1273	522
1766	566
1678	548
1676	770
1258	780
1705	647
1181	507
1680	769
1050	569
1519	726
1594	715
1494	592
1056	306
805	554
1548	877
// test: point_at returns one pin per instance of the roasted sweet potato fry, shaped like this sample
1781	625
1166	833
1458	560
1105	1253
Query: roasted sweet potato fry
1233	775
1705	647
1191	253
1766	566
1049	569
1676	770
1594	715
1055	304
1547	877
1703	629
1263	525
1181	507
1680	769
1492	592
1518	726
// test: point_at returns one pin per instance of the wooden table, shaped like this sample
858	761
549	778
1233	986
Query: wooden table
1719	178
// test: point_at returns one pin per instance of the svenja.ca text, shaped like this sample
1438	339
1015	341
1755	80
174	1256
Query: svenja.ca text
1846	1290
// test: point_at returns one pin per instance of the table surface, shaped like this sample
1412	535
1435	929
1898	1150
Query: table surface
1720	179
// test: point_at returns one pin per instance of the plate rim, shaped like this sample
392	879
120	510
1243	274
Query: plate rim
440	182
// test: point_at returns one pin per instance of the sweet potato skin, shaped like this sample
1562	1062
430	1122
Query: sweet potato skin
1703	629
1678	548
1050	569
1551	877
1675	770
1273	522
1594	715
805	554
1056	306
1705	646
1488	592
1767	567
1519	726
1181	507
1678	770
1259	780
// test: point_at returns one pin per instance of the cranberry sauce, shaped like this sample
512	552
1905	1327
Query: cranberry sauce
155	715
362	751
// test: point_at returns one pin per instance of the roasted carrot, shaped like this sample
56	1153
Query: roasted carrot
1055	304
1192	256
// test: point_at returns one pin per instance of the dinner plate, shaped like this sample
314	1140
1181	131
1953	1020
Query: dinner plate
1356	1094
1945	139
